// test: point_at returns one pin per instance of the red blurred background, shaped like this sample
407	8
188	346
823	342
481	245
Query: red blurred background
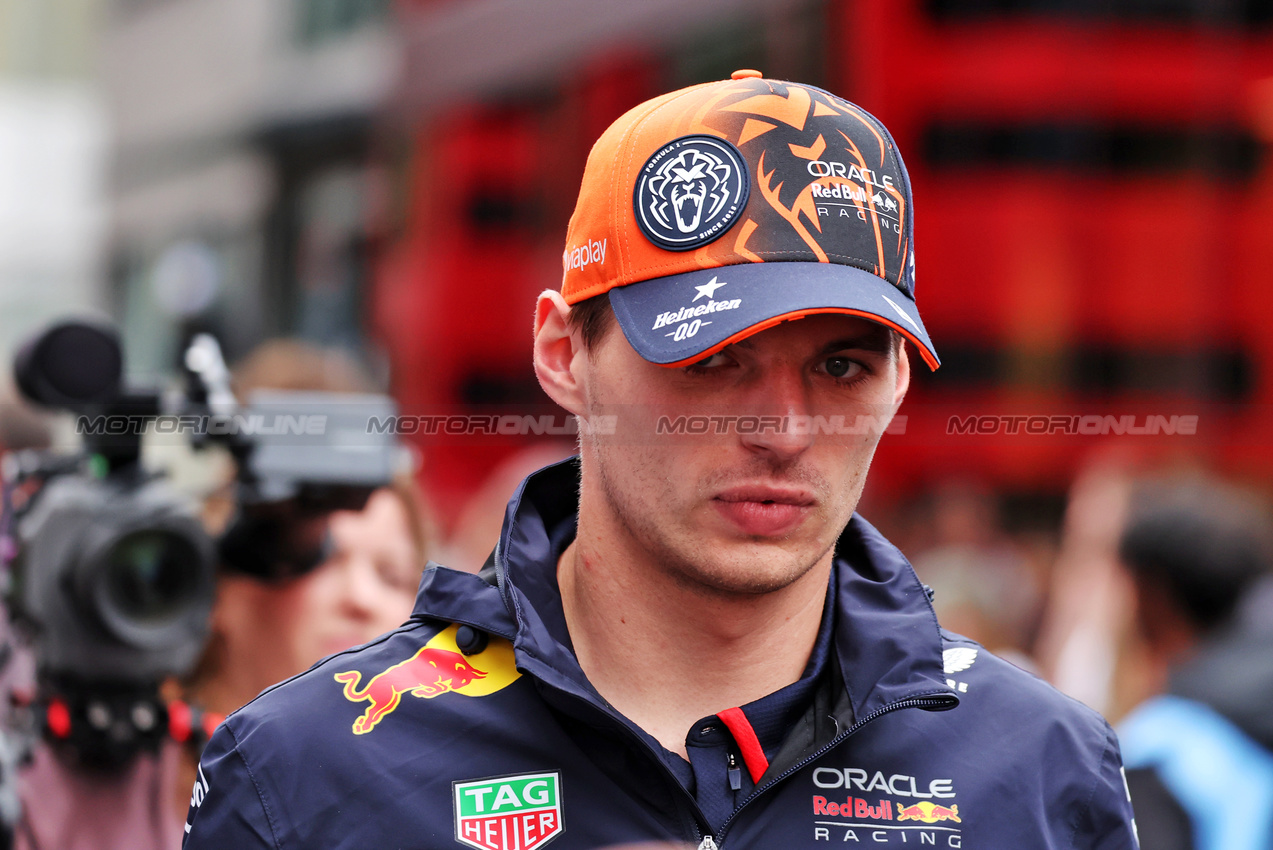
1093	209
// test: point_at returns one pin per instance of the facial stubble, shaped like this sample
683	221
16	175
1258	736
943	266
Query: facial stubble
741	569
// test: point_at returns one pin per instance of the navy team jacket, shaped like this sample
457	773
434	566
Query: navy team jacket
470	725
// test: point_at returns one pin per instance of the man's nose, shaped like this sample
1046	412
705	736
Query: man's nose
780	404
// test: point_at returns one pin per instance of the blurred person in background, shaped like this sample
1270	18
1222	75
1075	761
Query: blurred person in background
267	628
360	583
1199	756
1083	647
984	587
364	586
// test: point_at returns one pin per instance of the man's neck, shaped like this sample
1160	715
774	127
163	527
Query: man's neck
666	655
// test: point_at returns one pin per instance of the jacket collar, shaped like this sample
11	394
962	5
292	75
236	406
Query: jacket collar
887	641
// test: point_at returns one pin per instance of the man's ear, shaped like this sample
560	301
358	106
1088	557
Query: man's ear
559	354
903	376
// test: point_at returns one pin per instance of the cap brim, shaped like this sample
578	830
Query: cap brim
713	308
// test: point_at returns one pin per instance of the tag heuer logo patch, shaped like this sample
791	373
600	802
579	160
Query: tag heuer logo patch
508	812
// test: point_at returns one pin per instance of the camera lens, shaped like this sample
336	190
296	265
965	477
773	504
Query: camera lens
152	576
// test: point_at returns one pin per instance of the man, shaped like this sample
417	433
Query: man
686	635
1198	557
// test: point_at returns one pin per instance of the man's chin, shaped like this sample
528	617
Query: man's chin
747	569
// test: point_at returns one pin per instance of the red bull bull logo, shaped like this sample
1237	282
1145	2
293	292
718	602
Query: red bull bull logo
436	668
426	674
928	812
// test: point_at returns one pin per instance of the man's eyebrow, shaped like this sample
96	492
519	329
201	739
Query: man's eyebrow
879	342
876	340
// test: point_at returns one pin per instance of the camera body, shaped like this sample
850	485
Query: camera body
113	578
312	453
118	573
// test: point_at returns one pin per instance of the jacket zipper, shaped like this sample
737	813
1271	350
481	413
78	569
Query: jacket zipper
708	841
717	841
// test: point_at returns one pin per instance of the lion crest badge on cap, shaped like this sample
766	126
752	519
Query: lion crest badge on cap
690	192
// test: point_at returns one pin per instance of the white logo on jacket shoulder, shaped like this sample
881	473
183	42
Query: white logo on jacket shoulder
957	659
196	797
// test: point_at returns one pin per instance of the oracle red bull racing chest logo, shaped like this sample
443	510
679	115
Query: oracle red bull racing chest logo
436	668
519	812
877	807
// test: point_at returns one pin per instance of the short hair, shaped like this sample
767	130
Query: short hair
593	317
1205	544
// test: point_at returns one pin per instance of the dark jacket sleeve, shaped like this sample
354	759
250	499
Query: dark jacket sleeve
226	807
1109	824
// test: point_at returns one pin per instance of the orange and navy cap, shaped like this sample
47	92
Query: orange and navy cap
740	204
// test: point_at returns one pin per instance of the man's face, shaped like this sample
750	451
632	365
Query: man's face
758	500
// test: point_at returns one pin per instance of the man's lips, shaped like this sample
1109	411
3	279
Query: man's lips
764	511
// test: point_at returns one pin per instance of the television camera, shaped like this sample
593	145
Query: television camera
113	573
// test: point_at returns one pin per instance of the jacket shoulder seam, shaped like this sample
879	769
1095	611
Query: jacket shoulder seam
410	625
1111	743
260	793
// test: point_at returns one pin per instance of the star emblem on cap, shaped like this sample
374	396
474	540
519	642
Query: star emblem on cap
708	290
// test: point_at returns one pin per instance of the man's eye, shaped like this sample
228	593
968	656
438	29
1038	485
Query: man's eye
840	367
717	359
